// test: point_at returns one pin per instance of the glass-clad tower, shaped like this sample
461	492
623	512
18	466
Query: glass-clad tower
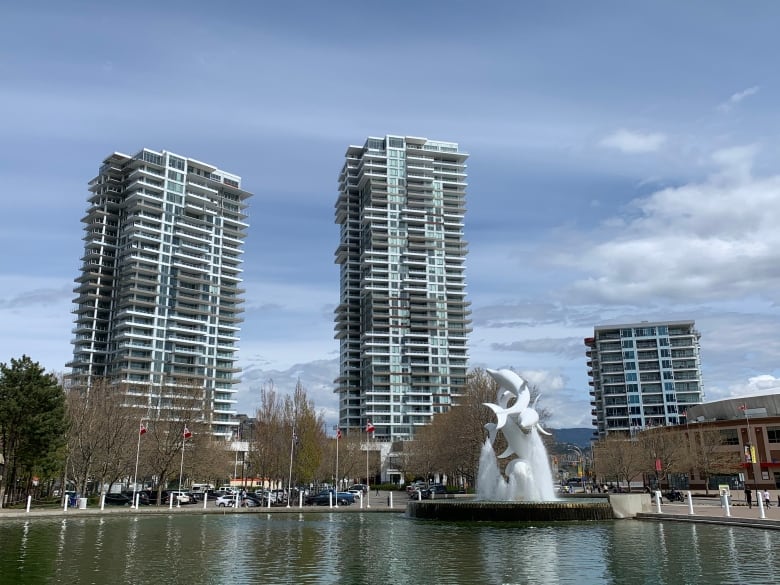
158	299
643	375
403	319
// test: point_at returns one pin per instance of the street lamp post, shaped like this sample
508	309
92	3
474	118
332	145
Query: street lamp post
581	461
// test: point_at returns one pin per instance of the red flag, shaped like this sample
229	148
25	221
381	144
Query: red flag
369	427
187	434
142	430
743	407
338	433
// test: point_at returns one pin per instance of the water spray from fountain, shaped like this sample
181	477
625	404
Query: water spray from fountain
528	476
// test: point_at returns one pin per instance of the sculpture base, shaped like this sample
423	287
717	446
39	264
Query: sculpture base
481	511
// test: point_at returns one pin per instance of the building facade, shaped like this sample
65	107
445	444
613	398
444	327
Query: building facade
748	429
643	375
159	296
403	318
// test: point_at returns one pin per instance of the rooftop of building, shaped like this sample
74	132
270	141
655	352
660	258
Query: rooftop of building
753	406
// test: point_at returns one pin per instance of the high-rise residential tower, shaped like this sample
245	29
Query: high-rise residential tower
643	375
403	318
159	298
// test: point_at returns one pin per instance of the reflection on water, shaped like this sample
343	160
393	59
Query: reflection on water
376	548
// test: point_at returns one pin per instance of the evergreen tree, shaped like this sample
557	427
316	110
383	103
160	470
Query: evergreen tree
32	425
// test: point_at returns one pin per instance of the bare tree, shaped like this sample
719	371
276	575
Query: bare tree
707	456
270	444
101	436
665	450
617	457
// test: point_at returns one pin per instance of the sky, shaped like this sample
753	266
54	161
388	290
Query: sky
624	166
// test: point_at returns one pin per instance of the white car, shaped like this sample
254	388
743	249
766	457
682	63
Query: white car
178	497
226	500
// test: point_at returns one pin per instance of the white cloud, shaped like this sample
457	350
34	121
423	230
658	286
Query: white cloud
633	142
738	97
707	240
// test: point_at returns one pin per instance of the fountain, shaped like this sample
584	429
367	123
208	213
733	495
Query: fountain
526	493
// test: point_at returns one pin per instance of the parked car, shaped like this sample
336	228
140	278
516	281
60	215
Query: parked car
118	500
437	490
326	497
358	487
226	500
415	487
144	498
179	498
251	502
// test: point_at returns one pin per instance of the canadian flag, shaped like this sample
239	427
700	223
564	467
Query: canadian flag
369	427
187	434
142	430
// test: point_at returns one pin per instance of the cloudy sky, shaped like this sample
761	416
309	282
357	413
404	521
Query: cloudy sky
624	165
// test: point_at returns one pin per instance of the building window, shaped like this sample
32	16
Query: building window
773	434
729	437
176	163
645	331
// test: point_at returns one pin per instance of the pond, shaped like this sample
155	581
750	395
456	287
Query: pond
377	548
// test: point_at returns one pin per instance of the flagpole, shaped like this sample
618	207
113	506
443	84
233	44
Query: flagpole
338	432
289	480
368	481
133	504
181	467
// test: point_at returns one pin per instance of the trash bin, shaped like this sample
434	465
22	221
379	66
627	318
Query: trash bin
82	503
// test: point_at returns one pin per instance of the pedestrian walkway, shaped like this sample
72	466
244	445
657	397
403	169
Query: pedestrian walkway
710	511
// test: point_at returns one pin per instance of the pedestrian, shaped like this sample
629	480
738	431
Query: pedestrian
766	498
749	497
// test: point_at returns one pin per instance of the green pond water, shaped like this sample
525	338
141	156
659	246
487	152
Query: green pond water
377	548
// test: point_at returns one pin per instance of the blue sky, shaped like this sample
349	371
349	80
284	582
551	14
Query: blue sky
623	165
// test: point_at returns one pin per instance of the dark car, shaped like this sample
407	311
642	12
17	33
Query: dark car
144	498
328	496
433	492
118	500
251	502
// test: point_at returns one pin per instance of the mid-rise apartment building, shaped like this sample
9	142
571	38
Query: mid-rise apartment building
159	297
643	375
403	318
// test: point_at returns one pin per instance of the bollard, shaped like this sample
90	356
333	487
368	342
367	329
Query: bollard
205	499
300	499
102	501
419	495
761	511
658	501
361	500
724	498
269	499
690	504
330	499
29	501
65	509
